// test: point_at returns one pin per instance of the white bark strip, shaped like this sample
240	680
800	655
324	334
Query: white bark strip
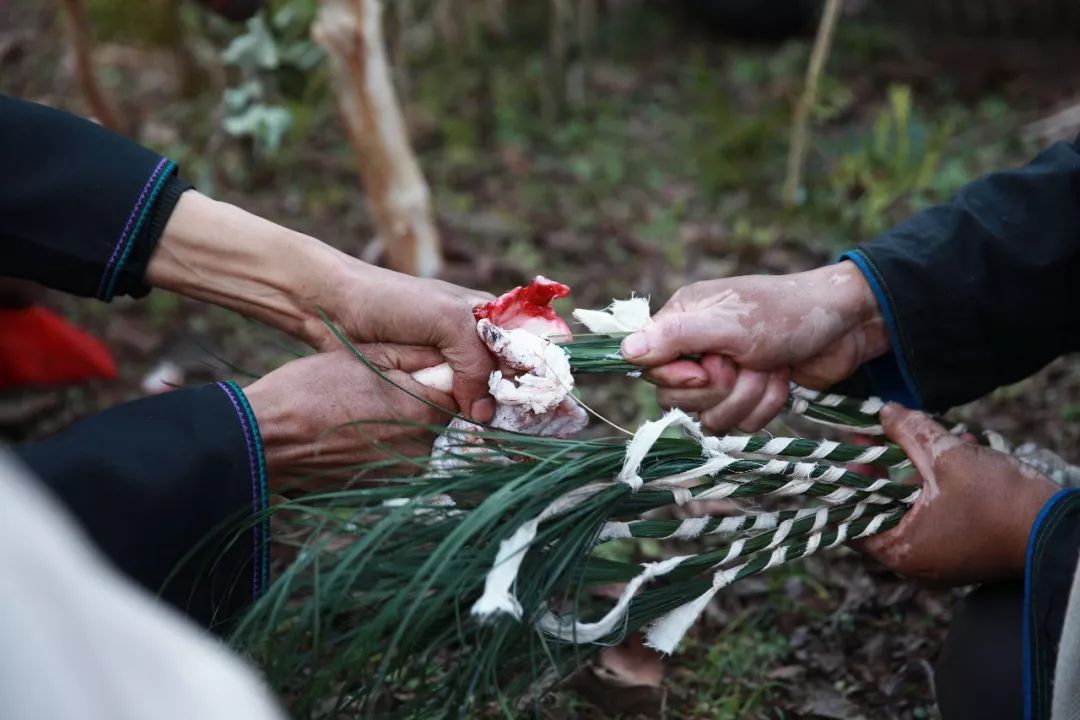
350	31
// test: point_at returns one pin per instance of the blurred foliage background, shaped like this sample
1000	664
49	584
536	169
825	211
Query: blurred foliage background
619	146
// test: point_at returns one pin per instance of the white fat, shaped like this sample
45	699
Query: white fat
622	316
538	399
437	377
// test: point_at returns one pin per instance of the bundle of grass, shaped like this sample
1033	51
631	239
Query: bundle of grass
464	590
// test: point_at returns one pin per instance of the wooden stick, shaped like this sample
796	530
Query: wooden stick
350	31
800	128
100	102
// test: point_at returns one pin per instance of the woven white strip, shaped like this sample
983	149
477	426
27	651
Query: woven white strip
666	632
498	596
568	629
689	529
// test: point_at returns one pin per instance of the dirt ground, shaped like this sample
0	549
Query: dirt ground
663	171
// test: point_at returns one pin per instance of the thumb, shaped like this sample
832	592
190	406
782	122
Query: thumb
919	436
672	335
471	362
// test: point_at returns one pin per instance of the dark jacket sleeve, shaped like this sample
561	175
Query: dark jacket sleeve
977	293
81	208
172	488
1053	546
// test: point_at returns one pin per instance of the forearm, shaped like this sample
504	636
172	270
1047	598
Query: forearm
219	253
976	291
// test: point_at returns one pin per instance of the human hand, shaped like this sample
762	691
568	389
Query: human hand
322	413
753	333
971	521
379	305
219	253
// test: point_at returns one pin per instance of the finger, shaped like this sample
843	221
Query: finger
772	402
874	547
415	409
720	374
472	365
678	374
691	400
820	372
395	381
671	335
714	371
917	434
750	386
391	356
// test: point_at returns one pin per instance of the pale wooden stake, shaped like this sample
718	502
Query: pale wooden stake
801	125
350	31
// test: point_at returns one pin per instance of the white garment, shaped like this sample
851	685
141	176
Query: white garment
80	642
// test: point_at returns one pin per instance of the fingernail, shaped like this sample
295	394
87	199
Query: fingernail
482	410
694	382
635	346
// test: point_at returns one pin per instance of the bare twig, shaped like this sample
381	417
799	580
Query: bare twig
495	17
100	102
586	23
560	14
350	31
446	20
800	127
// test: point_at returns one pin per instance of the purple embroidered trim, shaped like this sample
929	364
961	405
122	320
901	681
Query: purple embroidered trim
127	225
253	463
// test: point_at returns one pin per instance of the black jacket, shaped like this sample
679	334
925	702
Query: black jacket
162	483
977	293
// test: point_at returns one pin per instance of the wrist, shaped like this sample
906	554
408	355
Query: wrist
853	299
1033	491
216	252
277	427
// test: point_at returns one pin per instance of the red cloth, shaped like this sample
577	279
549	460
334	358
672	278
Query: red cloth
40	348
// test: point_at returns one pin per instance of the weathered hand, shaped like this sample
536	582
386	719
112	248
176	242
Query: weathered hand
753	333
378	305
328	411
217	252
972	520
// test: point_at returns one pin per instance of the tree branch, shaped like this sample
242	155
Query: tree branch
101	103
801	125
350	31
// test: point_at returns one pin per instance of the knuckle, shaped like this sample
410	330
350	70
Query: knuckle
751	426
671	329
680	295
715	419
666	400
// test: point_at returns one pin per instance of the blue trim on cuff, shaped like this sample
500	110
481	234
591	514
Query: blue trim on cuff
130	240
1029	556
259	492
890	375
264	490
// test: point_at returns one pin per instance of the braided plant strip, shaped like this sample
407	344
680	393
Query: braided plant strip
669	621
600	354
807	526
